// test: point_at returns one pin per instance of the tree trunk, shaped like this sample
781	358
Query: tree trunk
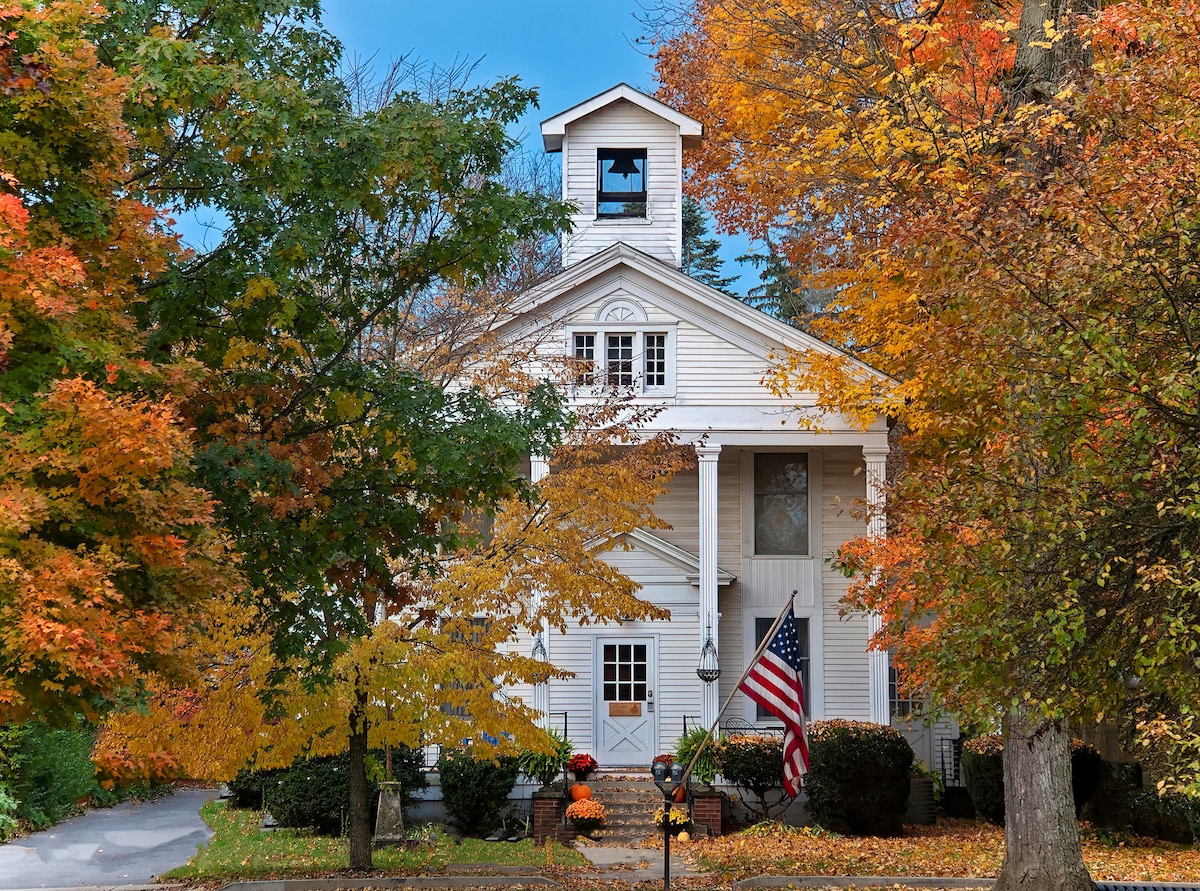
360	807
1042	850
1041	64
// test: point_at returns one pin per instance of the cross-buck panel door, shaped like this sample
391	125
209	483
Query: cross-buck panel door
626	718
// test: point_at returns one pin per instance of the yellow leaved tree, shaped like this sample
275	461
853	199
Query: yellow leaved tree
1003	197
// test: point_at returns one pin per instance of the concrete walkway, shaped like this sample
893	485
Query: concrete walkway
636	864
128	844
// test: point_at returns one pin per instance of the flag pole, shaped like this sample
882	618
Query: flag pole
766	641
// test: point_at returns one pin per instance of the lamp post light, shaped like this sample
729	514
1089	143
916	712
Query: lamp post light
669	781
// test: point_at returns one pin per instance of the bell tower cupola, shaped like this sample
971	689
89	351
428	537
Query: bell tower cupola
622	168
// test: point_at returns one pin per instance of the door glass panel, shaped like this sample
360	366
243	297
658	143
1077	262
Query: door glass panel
625	671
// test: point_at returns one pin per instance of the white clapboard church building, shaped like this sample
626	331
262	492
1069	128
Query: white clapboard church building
770	499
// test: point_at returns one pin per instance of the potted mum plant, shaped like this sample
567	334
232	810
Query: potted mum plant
586	815
582	764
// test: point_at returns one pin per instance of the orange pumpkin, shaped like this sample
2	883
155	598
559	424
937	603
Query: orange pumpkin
579	792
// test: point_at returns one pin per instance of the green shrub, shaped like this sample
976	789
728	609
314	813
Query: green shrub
53	774
313	794
246	789
755	763
475	792
8	814
1171	817
983	775
858	777
707	767
543	767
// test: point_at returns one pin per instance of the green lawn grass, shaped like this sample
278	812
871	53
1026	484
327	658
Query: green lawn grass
240	850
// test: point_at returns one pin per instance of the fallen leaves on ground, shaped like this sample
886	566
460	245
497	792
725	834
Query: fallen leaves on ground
953	848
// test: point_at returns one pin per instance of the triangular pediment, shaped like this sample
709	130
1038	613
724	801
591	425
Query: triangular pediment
623	269
555	128
674	560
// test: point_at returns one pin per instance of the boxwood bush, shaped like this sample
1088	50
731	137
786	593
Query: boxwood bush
246	789
858	777
475	792
314	793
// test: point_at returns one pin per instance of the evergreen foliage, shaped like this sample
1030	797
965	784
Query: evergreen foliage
755	763
858	779
475	792
700	259
313	794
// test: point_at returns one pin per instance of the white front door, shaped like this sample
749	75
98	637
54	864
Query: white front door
626	722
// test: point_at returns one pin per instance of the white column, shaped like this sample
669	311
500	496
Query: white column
539	466
876	460
707	456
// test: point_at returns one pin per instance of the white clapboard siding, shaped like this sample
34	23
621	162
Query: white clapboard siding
847	692
713	371
680	507
677	689
623	125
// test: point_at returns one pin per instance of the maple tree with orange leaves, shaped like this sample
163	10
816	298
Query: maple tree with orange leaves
107	548
1004	197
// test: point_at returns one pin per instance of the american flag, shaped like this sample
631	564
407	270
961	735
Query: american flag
774	683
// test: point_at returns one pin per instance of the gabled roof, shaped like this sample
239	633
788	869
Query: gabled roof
704	306
686	561
553	129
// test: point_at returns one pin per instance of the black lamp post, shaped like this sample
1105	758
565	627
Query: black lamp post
669	781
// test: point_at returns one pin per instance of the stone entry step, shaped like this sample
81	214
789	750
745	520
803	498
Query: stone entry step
630	800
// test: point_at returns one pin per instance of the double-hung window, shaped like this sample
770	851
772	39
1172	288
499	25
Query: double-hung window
619	360
655	353
624	359
585	359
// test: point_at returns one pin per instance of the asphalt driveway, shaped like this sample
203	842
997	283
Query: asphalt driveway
129	844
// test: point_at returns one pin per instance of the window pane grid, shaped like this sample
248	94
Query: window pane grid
656	360
585	355
625	672
620	360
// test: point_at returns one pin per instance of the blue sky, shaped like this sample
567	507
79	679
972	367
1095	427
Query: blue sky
569	50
